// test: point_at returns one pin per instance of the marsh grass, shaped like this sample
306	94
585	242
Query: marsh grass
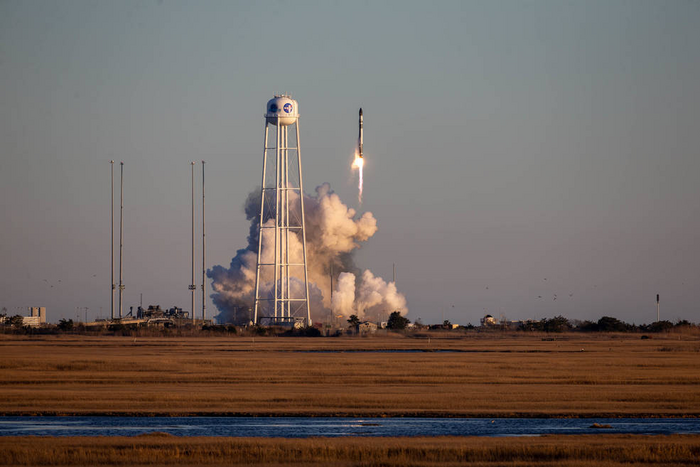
156	449
480	376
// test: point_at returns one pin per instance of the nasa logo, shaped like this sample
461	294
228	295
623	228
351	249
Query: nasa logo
273	108
288	108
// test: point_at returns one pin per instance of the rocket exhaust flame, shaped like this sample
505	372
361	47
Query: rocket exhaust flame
358	164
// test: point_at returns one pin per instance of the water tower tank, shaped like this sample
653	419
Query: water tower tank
284	107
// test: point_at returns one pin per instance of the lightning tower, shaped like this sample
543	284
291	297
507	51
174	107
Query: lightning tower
114	286
281	281
121	241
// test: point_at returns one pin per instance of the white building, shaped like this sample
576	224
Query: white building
37	316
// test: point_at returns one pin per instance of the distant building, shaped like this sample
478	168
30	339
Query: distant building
489	321
37	316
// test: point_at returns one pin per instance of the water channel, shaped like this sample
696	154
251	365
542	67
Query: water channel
303	427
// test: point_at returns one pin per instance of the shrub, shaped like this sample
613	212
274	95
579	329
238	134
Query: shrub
660	326
610	324
397	322
556	324
307	331
66	325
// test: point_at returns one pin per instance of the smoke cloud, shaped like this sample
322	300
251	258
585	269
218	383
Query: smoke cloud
333	233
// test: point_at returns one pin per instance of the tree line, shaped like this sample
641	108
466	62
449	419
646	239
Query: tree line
396	322
604	324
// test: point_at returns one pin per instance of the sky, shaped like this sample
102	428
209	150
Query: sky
525	159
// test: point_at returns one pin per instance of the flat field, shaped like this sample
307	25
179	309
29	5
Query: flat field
472	375
154	450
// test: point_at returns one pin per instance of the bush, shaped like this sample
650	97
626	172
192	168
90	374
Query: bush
556	324
307	331
397	322
258	330
588	326
684	323
66	325
120	329
659	326
610	324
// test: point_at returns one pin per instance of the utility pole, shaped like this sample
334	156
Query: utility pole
204	255
193	287
121	243
111	245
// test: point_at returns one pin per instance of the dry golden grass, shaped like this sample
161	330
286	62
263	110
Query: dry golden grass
493	375
612	450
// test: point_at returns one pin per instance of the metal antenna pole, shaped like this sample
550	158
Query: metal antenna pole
192	285
111	245
204	255
121	242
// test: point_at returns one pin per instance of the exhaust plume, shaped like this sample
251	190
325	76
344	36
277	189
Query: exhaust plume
333	232
359	164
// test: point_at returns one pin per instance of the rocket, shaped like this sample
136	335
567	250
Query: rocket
360	138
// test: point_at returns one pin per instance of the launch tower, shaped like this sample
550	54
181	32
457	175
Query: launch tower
281	281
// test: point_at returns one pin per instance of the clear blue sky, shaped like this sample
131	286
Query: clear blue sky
507	142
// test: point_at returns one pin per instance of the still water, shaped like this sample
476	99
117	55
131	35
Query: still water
302	427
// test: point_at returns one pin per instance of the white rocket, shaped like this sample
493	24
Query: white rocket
360	138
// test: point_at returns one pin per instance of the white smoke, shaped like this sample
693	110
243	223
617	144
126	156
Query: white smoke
377	296
333	232
374	298
344	295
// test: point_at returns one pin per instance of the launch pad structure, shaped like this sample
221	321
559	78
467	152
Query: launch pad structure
281	280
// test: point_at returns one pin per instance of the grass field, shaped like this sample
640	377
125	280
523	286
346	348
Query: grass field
494	375
613	450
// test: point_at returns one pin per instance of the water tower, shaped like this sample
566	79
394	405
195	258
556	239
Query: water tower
282	281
